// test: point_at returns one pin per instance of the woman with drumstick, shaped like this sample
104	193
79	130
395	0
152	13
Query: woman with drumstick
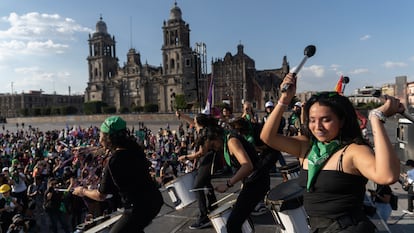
242	156
206	157
126	174
335	158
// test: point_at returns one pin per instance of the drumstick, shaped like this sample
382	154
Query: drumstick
200	189
63	190
224	198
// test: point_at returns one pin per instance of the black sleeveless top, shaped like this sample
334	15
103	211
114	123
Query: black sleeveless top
334	193
250	149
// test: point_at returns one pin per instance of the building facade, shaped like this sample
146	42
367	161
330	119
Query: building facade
183	72
137	84
13	105
236	80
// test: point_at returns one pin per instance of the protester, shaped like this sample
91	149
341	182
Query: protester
226	116
381	198
127	174
54	207
336	160
294	120
242	156
409	176
8	207
206	158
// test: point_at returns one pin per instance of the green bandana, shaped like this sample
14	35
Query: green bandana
226	150
318	155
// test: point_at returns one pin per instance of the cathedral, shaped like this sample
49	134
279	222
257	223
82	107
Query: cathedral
183	72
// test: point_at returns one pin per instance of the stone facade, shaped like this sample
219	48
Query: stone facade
12	105
135	84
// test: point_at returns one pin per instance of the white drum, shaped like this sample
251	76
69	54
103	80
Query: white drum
290	170
101	224
220	215
179	190
286	205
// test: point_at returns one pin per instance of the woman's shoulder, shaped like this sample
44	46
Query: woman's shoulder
358	149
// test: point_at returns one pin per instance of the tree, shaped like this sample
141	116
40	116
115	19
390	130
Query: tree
180	102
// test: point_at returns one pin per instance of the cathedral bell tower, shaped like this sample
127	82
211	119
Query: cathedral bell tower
102	64
179	62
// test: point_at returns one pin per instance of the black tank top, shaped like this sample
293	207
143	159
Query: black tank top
334	194
250	149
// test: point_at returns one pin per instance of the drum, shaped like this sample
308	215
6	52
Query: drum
102	224
179	190
219	217
286	206
291	170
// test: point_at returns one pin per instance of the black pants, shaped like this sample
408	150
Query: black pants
203	180
252	193
135	219
358	223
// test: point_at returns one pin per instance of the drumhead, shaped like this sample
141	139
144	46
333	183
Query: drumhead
221	209
185	176
285	191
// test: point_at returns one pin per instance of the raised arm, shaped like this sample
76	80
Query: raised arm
296	145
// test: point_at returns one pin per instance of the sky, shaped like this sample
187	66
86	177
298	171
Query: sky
44	43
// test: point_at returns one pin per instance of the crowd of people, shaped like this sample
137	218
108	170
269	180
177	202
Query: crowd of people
67	176
40	169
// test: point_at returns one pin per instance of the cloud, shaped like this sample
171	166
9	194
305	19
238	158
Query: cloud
334	67
391	64
359	71
316	70
37	34
36	78
38	26
365	37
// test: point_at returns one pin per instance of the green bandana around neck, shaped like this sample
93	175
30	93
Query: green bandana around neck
318	155
226	150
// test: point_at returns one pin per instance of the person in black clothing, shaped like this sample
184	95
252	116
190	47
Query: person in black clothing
205	157
336	160
242	156
53	201
381	198
126	174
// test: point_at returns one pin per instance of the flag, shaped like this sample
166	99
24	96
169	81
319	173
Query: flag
338	87
207	109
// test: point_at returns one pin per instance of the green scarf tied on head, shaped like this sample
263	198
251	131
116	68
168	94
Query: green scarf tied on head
318	155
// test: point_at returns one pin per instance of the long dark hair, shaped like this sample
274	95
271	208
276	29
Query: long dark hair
123	139
342	107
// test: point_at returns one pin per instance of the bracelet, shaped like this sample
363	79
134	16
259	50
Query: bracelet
228	184
186	157
378	114
281	103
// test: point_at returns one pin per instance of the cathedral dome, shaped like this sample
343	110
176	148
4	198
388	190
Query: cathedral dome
175	13
101	26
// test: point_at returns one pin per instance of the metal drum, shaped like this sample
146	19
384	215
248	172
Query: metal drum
179	190
102	224
220	215
291	170
286	206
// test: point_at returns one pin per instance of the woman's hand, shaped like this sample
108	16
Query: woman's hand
287	96
391	106
221	188
79	191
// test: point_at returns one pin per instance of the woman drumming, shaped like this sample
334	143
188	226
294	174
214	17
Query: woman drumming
127	174
335	158
241	155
